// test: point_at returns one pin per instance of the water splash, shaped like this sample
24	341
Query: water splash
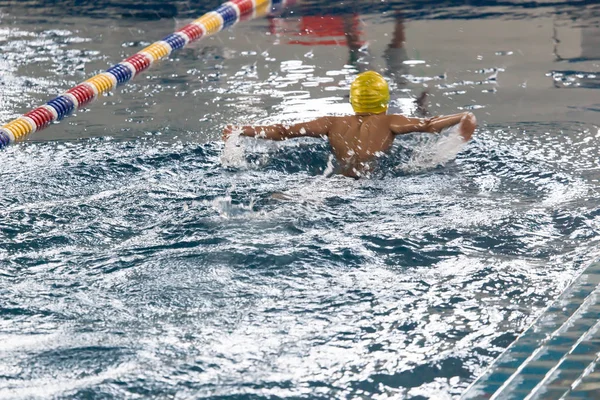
234	154
226	208
434	150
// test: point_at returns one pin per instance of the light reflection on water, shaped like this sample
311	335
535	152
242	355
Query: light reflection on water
138	259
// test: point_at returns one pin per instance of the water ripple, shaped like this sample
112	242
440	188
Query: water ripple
176	271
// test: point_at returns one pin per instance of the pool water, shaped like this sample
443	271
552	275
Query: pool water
140	257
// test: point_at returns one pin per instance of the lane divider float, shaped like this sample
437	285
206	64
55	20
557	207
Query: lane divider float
227	15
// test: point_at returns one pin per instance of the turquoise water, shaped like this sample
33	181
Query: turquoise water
141	258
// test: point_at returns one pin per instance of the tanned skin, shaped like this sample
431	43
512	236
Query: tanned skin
358	139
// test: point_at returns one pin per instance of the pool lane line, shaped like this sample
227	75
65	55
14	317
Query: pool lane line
556	355
227	15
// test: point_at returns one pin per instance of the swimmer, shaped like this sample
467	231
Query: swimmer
358	139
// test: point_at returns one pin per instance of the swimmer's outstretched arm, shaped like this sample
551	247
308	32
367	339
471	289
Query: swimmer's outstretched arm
400	124
317	128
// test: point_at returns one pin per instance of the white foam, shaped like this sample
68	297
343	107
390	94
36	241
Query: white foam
435	150
234	151
227	209
330	170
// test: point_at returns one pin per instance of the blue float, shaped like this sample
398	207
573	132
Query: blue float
121	72
63	106
229	14
175	41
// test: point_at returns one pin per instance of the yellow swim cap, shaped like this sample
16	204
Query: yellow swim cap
369	93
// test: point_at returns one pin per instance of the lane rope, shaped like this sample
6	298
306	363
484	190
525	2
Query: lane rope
227	15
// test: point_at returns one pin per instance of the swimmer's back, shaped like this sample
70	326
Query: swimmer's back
358	139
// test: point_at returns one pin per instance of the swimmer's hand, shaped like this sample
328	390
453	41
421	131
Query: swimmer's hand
244	131
227	131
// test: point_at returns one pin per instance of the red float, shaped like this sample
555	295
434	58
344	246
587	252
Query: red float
139	61
41	116
193	31
83	93
245	6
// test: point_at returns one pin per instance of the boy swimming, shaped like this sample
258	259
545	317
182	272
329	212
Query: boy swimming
358	139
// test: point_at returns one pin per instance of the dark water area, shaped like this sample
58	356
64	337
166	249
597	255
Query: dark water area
157	9
140	257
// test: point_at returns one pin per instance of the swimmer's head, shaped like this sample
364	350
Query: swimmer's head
369	93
